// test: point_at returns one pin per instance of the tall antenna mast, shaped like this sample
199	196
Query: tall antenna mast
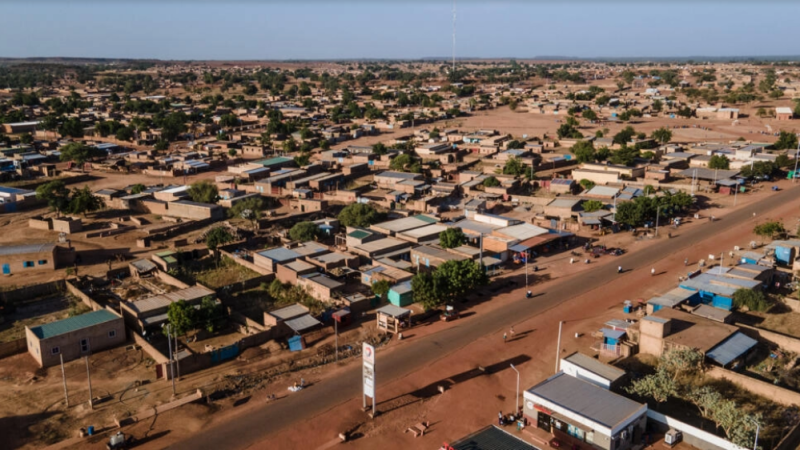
454	40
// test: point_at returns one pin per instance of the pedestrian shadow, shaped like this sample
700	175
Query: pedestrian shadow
445	384
521	334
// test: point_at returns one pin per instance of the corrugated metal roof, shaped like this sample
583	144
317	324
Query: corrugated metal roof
610	373
279	254
612	334
71	324
143	265
393	311
289	312
24	249
359	234
302	323
586	399
731	348
492	438
163	300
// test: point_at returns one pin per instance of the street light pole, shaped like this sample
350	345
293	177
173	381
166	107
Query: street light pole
336	332
794	176
516	399
171	368
558	346
755	444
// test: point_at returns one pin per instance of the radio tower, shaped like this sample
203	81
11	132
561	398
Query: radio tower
454	40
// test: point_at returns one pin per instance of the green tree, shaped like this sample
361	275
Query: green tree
584	151
786	140
138	188
629	214
358	215
514	166
678	363
304	231
624	136
662	135
203	191
770	230
181	316
719	162
452	238
83	201
124	134
210	314
215	238
249	209
26	138
455	279
161	144
658	386
425	291
624	156
567	131
400	162
56	194
592	205
324	145
381	288
587	185
589	114
71	127
80	153
491	182
302	159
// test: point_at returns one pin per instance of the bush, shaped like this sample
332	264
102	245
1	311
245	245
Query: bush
753	300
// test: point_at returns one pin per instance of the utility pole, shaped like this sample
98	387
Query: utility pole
64	378
336	333
177	363
171	368
516	399
794	176
89	378
558	346
526	269
658	210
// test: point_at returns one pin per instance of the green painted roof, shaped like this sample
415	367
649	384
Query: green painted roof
166	253
71	324
273	161
170	260
426	218
359	234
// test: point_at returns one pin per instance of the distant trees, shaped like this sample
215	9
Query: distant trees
304	231
381	288
56	194
80	153
84	201
786	140
138	188
567	131
203	191
770	230
228	120
249	209
662	135
491	182
719	162
358	215
452	238
515	166
592	205
584	151
450	281
589	114
624	136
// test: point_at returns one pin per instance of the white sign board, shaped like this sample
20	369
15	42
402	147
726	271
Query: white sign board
368	371
368	353
369	380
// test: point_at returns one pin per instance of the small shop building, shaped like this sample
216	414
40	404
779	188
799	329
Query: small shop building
392	318
580	414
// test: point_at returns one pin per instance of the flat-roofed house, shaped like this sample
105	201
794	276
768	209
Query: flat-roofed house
290	272
151	312
74	337
592	370
269	259
319	286
31	257
580	413
784	113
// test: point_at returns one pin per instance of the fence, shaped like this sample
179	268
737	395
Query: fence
775	393
32	291
696	437
74	290
11	348
781	340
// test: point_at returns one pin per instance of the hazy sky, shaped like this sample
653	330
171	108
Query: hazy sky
300	29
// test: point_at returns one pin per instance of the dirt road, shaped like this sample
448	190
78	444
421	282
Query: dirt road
253	425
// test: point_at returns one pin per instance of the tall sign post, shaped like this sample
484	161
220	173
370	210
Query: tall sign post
368	375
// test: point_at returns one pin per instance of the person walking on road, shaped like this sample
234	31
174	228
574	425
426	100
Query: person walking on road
505	337
652	271
619	269
686	262
511	331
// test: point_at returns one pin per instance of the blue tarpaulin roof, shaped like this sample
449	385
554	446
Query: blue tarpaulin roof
732	348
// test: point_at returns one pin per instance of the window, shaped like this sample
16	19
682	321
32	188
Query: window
55	350
27	263
42	262
112	334
84	345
